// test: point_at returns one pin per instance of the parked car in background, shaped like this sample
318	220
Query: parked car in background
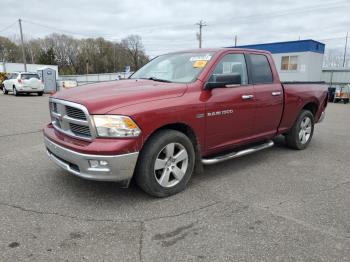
178	112
342	94
23	83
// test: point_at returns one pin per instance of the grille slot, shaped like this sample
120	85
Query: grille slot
80	130
75	113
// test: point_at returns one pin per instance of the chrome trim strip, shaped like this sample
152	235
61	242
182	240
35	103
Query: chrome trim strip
210	161
76	121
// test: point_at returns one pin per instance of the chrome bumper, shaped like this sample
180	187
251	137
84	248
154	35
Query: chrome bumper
93	167
323	115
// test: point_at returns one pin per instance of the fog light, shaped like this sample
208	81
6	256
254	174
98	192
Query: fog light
98	163
103	163
93	163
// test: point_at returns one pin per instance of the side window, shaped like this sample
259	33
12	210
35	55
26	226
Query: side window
261	69
231	64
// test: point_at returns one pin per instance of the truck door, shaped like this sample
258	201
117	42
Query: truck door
229	108
268	96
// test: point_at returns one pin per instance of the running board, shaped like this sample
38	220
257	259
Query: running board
218	159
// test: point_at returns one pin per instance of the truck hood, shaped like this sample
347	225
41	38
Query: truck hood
102	98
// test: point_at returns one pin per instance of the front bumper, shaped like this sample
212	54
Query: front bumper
114	168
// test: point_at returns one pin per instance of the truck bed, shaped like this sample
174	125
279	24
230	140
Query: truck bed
296	95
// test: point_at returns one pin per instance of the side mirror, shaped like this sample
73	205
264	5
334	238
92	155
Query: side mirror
224	80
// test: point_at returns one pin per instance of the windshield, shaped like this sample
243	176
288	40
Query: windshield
178	67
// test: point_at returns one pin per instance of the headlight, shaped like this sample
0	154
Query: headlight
115	126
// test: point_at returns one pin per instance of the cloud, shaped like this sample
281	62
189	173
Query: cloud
170	25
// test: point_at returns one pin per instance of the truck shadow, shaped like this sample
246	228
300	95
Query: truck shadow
110	191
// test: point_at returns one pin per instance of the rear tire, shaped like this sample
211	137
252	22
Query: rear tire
345	101
165	164
300	135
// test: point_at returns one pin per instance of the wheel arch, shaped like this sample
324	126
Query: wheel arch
312	107
190	133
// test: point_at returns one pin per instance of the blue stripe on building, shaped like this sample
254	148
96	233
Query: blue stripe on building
289	47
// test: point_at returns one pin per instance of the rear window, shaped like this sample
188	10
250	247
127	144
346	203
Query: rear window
261	69
29	76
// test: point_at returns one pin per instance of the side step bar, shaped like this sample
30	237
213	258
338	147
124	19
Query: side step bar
218	159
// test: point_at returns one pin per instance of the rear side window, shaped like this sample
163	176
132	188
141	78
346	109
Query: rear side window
261	69
29	76
13	76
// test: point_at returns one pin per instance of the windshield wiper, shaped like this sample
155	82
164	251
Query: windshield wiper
157	79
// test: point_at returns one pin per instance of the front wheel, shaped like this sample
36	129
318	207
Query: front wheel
40	93
299	136
165	163
4	91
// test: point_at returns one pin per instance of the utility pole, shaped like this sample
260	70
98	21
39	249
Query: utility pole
199	35
235	40
346	45
23	51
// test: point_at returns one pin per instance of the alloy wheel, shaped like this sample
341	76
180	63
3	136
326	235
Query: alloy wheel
305	130
171	165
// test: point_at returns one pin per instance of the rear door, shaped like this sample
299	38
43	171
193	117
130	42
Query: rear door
268	96
11	81
229	109
31	80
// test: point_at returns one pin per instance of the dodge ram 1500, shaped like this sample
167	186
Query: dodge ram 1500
177	113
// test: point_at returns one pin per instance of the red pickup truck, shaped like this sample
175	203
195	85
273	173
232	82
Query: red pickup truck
179	112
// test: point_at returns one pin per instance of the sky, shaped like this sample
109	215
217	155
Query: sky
166	26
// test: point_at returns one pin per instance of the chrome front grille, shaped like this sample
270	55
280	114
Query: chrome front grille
71	119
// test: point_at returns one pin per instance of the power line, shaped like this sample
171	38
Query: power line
57	29
7	27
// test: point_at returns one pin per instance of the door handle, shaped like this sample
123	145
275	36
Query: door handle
277	93
247	97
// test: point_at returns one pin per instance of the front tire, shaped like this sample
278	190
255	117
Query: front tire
40	93
4	91
165	164
300	135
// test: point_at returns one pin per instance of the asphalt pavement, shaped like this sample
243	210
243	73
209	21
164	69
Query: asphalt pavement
274	205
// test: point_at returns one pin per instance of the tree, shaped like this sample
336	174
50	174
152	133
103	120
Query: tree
9	51
71	54
47	57
133	44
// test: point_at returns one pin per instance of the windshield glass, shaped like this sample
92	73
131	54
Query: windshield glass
178	67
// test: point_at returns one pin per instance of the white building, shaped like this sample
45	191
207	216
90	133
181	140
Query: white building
296	60
19	67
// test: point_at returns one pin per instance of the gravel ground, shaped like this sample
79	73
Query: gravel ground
275	205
